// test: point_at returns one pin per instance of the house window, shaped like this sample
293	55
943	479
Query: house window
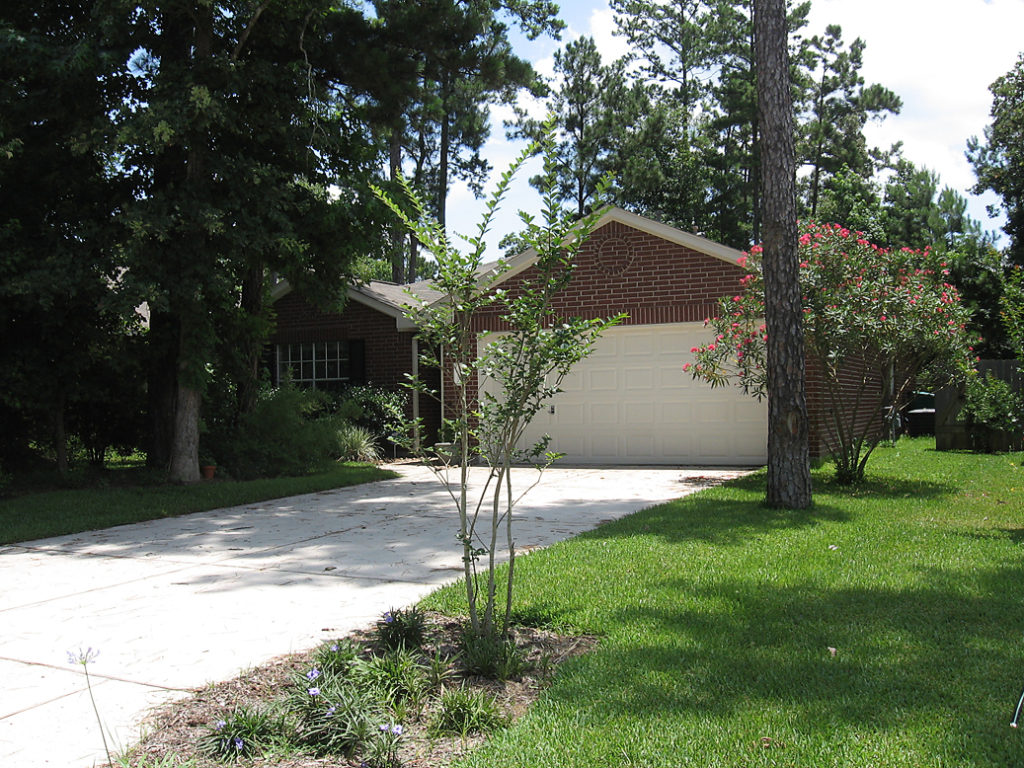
321	364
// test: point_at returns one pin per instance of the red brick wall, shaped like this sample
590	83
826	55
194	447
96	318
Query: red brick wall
621	269
388	351
819	405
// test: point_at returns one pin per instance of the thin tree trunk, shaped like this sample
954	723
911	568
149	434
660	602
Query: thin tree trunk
397	229
60	436
789	478
252	305
442	169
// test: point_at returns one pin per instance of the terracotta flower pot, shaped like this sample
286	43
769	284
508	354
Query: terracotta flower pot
207	471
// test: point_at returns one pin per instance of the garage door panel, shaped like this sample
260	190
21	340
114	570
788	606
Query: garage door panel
568	412
675	414
750	411
670	377
678	443
574	382
603	379
638	414
630	402
639	378
713	412
604	446
602	414
639	345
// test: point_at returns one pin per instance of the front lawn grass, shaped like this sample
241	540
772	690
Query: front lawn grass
56	512
882	628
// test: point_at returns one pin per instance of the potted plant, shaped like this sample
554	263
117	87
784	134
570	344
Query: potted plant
207	466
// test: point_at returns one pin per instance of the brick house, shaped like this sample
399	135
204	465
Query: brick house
629	402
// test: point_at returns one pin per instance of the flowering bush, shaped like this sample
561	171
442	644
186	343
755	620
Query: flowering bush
875	322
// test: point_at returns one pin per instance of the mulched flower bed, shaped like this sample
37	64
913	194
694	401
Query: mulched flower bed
174	730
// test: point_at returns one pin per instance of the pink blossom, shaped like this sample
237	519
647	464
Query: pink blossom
742	261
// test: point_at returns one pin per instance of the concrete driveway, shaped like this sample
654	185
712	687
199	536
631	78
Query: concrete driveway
173	604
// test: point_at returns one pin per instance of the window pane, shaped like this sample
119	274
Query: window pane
332	369
306	352
307	371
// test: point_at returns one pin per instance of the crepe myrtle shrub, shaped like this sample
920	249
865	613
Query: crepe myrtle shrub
500	382
877	323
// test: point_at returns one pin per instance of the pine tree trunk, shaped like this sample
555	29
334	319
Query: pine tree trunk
789	478
398	229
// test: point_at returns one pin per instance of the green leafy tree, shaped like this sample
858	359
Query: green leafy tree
1012	315
999	160
62	299
870	316
463	62
840	105
232	139
850	197
526	364
603	126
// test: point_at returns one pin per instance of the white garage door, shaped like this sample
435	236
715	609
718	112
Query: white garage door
629	402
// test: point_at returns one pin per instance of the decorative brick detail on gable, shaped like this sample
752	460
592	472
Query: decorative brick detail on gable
622	269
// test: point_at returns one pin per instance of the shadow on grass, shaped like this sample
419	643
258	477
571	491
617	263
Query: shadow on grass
729	515
882	486
941	654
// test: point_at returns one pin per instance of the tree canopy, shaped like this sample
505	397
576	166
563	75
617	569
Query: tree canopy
999	159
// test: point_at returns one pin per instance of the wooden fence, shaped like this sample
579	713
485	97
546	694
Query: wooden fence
951	433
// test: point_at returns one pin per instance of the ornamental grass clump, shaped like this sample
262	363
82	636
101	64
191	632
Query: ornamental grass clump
401	628
877	324
244	734
463	711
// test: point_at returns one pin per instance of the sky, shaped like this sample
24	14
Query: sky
938	56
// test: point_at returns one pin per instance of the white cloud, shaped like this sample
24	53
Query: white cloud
939	56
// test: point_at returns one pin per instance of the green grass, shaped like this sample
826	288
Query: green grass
717	617
54	512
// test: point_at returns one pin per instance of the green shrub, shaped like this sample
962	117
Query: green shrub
379	410
246	733
396	678
337	658
285	434
990	405
382	750
356	443
400	628
463	712
498	658
337	719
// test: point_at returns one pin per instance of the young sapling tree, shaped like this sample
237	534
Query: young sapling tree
498	381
